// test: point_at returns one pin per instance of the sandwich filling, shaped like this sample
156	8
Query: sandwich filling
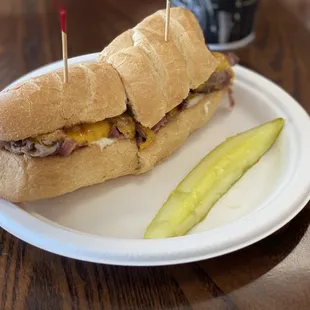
64	141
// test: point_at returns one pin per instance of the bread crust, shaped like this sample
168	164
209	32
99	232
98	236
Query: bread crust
156	73
153	74
138	65
25	179
44	104
173	135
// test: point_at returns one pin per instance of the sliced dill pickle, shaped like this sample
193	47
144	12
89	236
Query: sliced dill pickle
215	174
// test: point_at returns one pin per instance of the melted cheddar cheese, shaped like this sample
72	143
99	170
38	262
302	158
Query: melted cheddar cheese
86	133
223	62
150	138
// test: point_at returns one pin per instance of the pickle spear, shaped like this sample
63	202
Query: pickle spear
215	174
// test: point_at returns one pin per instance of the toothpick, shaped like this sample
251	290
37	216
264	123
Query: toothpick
63	15
167	20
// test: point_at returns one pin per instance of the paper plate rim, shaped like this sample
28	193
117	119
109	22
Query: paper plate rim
138	252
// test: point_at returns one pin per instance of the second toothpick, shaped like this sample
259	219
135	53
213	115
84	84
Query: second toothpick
167	20
64	43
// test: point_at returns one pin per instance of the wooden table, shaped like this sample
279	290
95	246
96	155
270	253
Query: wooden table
272	274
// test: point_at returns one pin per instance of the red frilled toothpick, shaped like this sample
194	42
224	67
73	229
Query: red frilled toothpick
63	21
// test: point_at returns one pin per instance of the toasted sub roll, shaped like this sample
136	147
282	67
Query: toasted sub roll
120	115
173	135
26	179
44	103
156	73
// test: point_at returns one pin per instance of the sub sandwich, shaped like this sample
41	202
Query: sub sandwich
120	115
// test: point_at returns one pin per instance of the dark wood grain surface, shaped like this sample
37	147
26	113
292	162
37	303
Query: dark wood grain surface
301	8
272	274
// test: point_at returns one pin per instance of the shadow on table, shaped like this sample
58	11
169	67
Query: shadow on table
58	281
245	266
198	283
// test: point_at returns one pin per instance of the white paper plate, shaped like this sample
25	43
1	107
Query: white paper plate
105	223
